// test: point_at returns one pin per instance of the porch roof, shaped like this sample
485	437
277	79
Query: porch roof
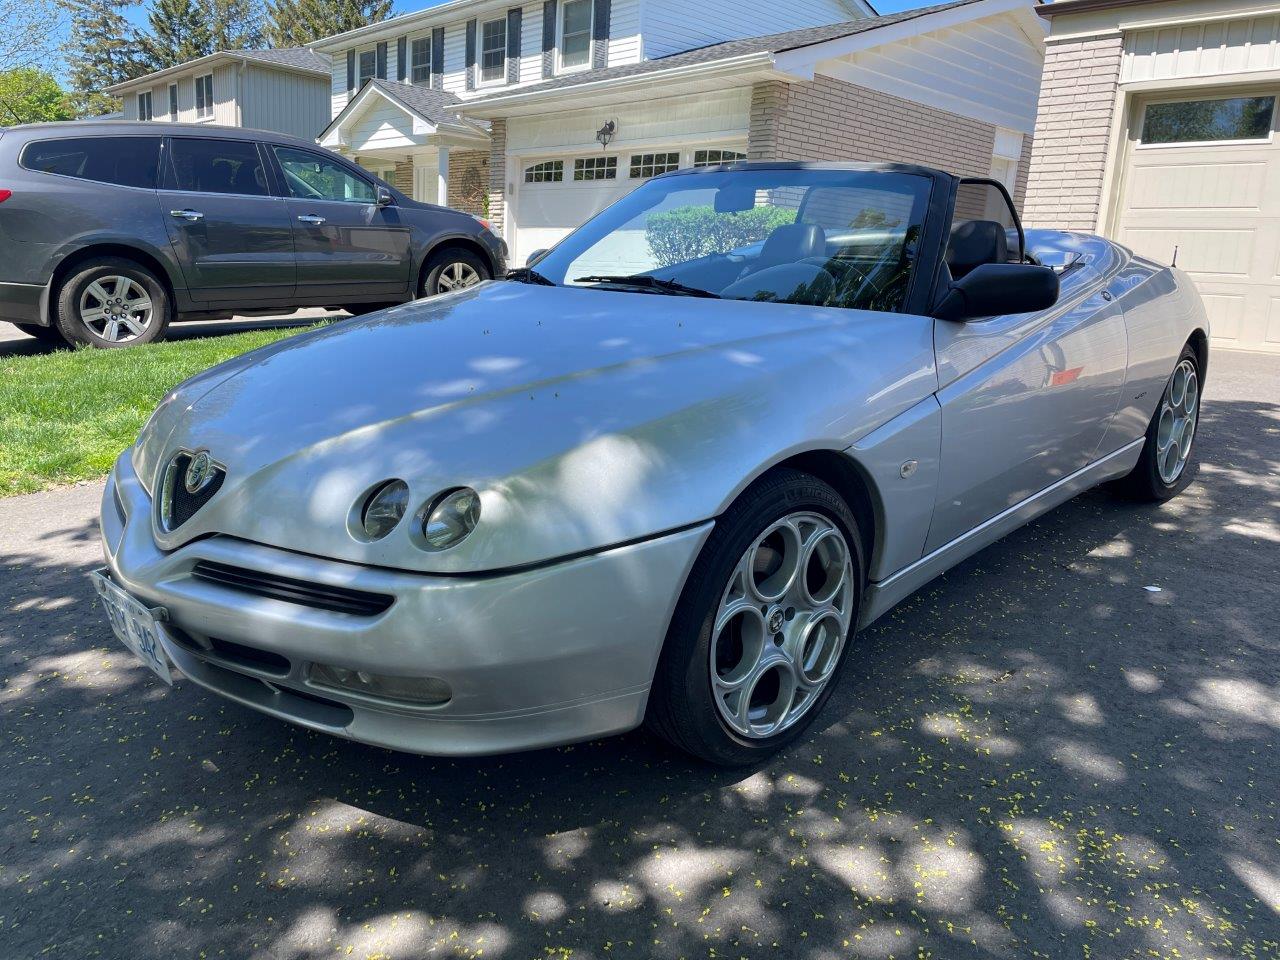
426	109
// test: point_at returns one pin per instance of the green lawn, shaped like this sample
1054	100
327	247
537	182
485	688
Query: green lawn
65	416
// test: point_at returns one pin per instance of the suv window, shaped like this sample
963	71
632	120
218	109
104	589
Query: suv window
218	166
310	176
126	161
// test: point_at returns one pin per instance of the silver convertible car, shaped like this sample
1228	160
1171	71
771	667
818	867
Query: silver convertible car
662	475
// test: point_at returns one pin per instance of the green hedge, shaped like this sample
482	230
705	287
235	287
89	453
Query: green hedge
687	233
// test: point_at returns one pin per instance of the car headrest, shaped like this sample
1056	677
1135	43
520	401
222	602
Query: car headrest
974	243
793	242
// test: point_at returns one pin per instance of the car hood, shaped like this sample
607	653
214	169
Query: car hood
536	396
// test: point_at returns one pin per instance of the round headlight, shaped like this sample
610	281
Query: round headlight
384	509
450	518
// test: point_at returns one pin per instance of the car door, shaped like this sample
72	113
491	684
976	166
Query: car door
232	238
347	245
1025	402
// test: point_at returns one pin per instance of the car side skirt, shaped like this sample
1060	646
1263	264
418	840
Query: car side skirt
884	596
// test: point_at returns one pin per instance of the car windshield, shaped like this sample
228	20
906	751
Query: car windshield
831	238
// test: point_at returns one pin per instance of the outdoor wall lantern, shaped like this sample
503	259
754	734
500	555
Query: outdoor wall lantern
606	133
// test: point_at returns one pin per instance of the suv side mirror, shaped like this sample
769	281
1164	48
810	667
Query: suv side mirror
385	199
535	256
995	289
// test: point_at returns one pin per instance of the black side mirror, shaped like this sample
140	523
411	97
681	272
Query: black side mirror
535	256
385	199
995	289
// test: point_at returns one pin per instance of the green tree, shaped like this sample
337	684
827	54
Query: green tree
100	52
28	95
178	31
295	23
237	24
31	29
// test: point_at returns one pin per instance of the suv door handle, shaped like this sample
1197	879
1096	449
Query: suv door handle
312	219
191	216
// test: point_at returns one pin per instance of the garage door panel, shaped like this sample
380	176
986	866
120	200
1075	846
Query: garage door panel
1216	187
1206	253
1226	314
1272	335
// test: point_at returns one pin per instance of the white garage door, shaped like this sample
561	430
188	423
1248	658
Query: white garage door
556	195
1204	179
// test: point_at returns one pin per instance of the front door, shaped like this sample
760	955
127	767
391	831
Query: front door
346	244
233	239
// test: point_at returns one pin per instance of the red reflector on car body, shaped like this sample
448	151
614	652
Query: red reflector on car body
5	195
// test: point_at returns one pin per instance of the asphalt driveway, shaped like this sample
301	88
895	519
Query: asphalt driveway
1067	747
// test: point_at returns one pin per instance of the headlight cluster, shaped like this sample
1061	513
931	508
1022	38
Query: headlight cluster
444	521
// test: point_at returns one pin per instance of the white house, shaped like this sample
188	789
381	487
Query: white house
1158	128
500	108
285	90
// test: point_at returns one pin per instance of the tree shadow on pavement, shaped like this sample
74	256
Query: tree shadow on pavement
1036	756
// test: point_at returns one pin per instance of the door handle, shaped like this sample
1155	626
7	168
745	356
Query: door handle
312	219
191	216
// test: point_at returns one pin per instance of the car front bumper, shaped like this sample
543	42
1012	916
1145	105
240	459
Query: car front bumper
534	658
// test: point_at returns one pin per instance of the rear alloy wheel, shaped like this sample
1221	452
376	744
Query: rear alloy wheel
113	302
451	270
763	624
1165	466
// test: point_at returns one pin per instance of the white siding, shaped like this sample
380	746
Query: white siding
1238	45
292	103
669	26
381	126
624	33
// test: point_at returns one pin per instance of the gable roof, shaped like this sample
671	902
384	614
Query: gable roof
728	50
295	59
424	103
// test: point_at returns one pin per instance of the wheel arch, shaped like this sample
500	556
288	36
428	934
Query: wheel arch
68	265
1199	342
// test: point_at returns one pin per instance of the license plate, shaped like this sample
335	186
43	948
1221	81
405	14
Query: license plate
134	625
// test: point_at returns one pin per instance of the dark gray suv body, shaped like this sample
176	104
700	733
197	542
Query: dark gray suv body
110	230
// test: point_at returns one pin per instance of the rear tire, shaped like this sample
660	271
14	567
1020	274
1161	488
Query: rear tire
452	269
111	302
49	335
754	652
1168	459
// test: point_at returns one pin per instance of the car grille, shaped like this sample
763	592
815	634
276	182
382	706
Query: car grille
177	504
358	603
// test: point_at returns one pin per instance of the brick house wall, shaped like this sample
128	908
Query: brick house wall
1069	154
402	177
469	180
497	174
831	119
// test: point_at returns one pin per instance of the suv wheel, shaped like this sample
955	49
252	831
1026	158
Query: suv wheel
113	302
452	269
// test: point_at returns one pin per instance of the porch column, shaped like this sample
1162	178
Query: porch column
442	173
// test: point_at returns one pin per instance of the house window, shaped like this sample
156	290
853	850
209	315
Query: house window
173	101
368	66
550	171
420	58
204	96
575	34
652	164
595	168
493	51
144	106
709	158
1204	121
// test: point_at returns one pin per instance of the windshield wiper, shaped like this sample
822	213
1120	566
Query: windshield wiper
646	282
529	275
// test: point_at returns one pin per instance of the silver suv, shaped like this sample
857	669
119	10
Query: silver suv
109	231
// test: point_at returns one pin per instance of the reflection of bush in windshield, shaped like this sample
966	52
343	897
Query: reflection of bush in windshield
687	233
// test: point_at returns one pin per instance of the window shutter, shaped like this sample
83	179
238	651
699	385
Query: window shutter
382	61
351	71
549	38
471	54
514	17
402	59
600	34
437	58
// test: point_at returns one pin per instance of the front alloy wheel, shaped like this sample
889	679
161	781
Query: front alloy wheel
1177	425
457	276
781	625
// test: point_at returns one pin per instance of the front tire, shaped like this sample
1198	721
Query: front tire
452	269
112	302
1167	463
763	625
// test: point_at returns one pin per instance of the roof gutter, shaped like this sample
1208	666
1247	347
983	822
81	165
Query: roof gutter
1049	10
